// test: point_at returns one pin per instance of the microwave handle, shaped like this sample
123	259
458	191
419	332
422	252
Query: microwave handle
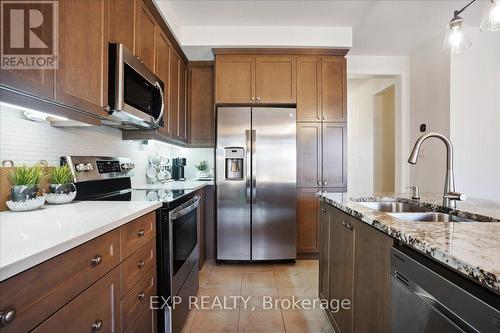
158	85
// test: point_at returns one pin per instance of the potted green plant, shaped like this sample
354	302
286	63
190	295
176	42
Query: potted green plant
61	187
23	192
203	170
25	180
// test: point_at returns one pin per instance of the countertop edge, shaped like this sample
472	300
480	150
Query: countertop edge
24	264
473	272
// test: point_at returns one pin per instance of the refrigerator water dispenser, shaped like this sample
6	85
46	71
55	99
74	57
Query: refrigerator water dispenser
234	162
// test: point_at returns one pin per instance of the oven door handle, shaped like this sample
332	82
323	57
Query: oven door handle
185	208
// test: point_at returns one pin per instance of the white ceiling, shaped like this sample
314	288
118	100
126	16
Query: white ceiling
378	27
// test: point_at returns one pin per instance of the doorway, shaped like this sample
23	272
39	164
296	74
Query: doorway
372	134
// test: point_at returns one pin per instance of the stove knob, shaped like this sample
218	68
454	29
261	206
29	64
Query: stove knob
89	167
80	167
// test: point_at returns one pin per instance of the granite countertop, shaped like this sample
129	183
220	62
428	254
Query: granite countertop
30	238
471	248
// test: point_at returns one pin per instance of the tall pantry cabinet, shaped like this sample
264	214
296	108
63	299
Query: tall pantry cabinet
321	141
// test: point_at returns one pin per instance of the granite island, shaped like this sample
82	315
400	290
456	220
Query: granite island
471	248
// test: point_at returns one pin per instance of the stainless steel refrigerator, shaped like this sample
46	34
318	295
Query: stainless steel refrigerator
256	183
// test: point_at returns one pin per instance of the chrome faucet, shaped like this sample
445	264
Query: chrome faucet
450	196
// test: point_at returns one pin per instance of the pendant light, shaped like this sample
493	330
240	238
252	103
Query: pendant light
457	40
491	16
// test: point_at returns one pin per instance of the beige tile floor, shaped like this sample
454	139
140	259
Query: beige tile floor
279	281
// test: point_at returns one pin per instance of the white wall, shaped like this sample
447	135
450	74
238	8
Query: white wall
27	142
397	67
430	104
360	132
475	116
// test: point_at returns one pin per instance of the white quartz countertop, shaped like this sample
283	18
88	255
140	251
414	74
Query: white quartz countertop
189	184
30	238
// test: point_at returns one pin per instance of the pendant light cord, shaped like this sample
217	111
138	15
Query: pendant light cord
458	12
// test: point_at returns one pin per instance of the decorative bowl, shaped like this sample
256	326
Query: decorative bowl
20	193
27	205
59	198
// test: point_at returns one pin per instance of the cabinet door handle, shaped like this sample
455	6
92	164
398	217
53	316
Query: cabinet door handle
319	182
7	316
252	98
140	233
324	118
97	325
96	260
258	98
325	183
140	264
141	295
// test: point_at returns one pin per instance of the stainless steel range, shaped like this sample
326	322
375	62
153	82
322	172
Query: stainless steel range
108	178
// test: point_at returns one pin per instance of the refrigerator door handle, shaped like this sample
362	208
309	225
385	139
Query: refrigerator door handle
248	184
254	167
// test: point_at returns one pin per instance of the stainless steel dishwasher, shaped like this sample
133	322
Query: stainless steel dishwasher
428	297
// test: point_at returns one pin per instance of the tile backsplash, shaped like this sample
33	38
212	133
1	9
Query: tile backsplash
27	142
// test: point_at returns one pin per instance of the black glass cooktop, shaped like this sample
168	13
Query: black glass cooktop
166	196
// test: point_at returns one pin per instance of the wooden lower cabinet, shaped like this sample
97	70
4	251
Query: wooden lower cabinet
354	265
341	268
307	220
372	311
102	285
96	309
324	253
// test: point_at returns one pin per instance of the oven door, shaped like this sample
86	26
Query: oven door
183	225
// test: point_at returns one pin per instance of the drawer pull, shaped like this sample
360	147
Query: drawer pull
141	295
140	233
7	316
97	325
96	260
140	264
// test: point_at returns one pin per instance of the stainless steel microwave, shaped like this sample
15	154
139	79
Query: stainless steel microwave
135	94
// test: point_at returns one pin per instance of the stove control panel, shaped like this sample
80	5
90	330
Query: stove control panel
87	168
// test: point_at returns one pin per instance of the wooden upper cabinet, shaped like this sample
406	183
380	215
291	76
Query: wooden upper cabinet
174	92
122	23
182	118
162	66
309	154
201	105
334	155
309	89
333	89
275	79
307	221
81	79
234	79
145	35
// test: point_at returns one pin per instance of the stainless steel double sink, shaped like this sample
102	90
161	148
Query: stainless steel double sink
407	212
